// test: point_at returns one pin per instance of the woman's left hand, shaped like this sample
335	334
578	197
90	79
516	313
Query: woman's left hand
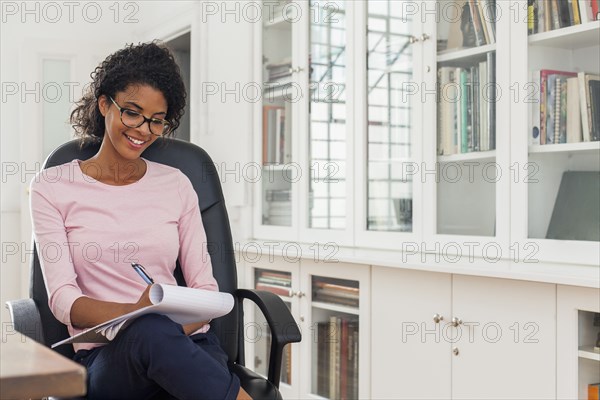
191	328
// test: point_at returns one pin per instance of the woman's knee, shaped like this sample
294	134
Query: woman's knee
153	327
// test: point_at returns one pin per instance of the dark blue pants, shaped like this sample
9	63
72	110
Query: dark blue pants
153	358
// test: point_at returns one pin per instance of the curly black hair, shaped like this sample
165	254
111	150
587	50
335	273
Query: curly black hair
150	64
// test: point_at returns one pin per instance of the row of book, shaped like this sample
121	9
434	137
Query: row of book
279	211
475	27
337	358
466	108
279	283
277	132
568	107
547	15
328	292
279	71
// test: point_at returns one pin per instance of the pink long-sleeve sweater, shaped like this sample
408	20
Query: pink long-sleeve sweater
88	233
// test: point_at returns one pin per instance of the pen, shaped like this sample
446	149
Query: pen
142	272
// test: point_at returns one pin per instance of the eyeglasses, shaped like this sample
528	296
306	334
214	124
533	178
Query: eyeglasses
133	119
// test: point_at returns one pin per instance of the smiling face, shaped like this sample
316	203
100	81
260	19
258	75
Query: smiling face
125	142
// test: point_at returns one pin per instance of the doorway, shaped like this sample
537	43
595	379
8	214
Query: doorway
181	46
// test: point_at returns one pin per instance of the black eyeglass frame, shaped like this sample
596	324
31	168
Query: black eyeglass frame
164	122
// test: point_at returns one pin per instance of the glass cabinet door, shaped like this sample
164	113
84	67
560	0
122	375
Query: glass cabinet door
327	115
335	324
279	92
390	137
279	283
466	165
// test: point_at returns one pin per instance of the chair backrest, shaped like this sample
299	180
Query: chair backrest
200	169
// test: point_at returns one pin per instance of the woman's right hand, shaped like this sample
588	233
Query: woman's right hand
144	300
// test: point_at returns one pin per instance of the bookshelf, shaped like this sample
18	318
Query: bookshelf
464	54
331	362
589	352
576	36
356	171
386	115
588	357
470	48
559	63
577	361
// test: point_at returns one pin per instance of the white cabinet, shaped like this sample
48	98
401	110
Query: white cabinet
508	345
410	355
496	338
330	302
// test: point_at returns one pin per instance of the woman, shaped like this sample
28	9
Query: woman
93	218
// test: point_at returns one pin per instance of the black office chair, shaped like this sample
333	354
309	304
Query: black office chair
33	317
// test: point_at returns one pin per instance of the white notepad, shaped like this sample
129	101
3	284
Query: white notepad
182	304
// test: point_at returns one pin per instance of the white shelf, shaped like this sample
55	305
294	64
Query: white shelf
335	307
589	353
278	22
476	155
565	147
275	167
451	55
571	37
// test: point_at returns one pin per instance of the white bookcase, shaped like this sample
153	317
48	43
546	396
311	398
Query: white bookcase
361	164
370	169
540	167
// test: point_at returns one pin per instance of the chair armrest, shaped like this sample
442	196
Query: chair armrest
284	329
26	318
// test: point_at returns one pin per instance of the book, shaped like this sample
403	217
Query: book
593	105
550	108
183	305
547	15
576	15
585	11
589	98
565	13
446	108
534	136
486	10
484	103
477	23
275	289
464	106
531	16
594	391
491	118
557	110
546	104
334	360
573	111
323	345
541	16
555	14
